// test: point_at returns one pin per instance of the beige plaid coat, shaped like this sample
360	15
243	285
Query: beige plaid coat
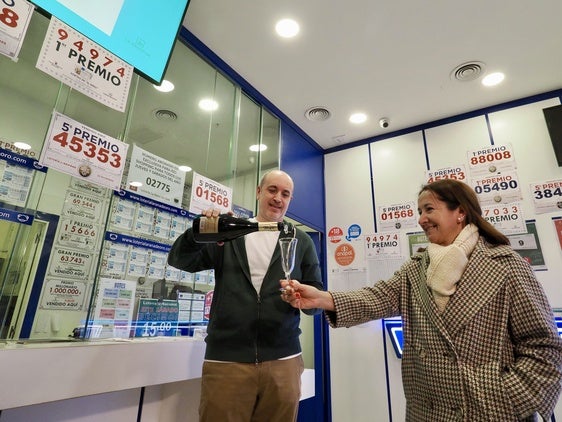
494	353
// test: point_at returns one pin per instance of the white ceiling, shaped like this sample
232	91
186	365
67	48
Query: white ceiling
386	58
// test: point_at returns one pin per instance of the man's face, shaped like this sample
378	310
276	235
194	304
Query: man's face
274	197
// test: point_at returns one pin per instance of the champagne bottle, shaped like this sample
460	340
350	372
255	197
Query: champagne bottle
226	227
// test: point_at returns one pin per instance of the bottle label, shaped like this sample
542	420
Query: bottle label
268	227
209	225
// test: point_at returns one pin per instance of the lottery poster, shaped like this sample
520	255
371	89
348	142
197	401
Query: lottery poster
80	63
15	16
454	173
397	216
491	160
83	152
499	188
547	196
206	193
529	247
507	218
156	178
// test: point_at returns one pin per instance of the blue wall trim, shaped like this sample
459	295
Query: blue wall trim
306	166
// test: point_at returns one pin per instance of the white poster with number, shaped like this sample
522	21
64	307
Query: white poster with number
547	196
61	294
206	193
455	173
379	245
397	216
155	178
492	159
499	188
80	63
15	16
76	149
507	218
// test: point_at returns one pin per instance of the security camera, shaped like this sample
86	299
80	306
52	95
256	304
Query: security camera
384	123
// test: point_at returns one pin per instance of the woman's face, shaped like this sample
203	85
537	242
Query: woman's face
440	224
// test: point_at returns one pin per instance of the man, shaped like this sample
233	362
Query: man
253	360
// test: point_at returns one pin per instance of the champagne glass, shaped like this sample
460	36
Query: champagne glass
288	247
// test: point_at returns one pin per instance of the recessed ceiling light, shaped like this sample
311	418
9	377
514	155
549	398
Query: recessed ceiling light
208	104
184	168
165	86
358	118
287	28
493	79
256	148
22	145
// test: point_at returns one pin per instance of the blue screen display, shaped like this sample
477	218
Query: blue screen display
140	32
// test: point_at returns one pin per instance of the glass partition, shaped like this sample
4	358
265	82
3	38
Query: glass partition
79	260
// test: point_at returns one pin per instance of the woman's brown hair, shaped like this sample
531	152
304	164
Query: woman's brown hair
458	194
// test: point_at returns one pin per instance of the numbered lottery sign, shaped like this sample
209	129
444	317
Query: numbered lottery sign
547	196
455	173
501	188
15	16
83	206
82	64
79	234
156	178
397	216
490	160
383	244
62	294
70	263
206	193
83	152
507	218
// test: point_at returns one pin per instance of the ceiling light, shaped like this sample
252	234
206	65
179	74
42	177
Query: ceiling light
22	145
208	104
184	168
358	118
258	147
287	28
493	79
165	86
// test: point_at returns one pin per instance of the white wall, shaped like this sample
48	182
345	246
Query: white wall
397	166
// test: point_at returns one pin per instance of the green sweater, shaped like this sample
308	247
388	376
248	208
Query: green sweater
245	326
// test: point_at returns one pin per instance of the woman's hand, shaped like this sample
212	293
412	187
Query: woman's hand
303	296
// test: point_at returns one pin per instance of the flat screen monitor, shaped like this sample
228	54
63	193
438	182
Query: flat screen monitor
141	33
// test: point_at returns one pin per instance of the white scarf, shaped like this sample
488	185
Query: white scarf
447	263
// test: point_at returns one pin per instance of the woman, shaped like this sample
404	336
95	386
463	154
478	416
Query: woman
480	342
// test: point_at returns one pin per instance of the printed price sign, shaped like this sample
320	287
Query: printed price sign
500	188
491	160
455	173
15	16
547	196
70	263
382	244
398	216
82	64
83	152
63	294
206	193
507	218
